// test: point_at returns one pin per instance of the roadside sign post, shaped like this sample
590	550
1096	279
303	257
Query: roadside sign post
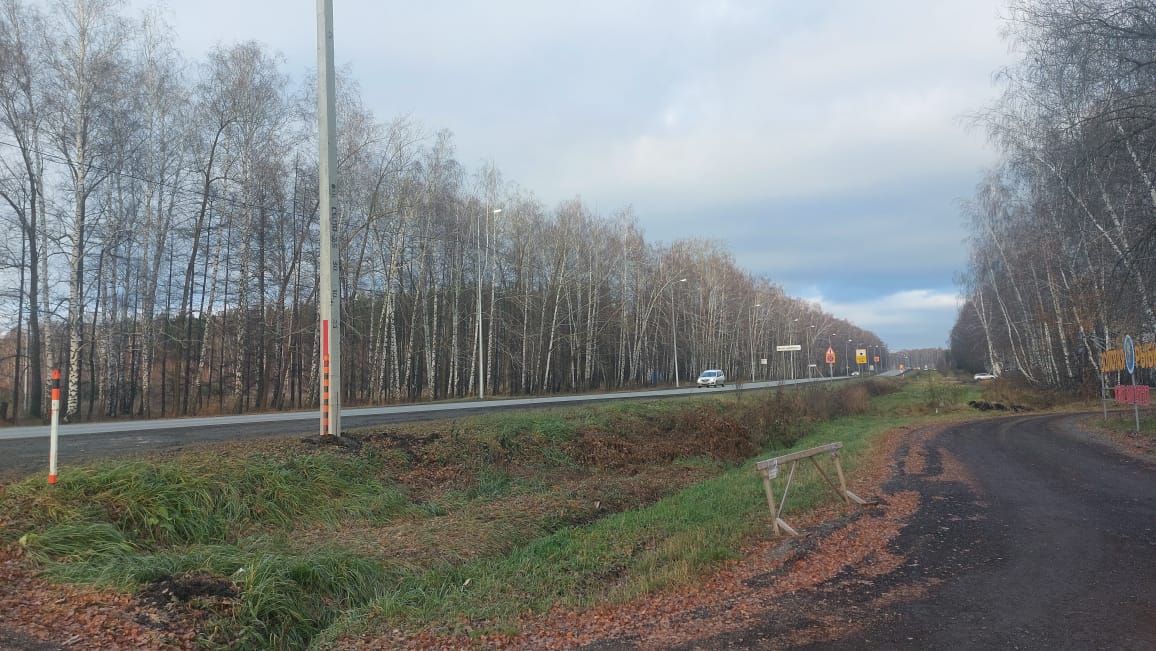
790	348
830	359
1130	366
1104	394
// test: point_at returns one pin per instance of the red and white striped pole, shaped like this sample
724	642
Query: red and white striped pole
325	396
53	427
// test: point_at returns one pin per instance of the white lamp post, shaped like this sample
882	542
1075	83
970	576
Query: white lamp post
674	331
753	324
810	344
481	351
791	340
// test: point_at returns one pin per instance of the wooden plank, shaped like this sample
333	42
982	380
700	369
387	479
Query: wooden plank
771	502
779	524
822	474
842	482
802	454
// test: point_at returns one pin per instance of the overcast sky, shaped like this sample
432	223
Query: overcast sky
823	142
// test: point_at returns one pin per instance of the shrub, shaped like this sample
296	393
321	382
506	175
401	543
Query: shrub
853	399
777	421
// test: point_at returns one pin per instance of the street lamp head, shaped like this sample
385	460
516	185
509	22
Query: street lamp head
497	210
682	280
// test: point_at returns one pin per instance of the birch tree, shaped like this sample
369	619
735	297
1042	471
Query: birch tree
22	109
87	93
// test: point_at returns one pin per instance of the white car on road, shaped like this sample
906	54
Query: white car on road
712	378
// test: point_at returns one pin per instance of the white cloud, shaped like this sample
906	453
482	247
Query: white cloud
864	94
902	318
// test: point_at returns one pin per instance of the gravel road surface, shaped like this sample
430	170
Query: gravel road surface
1031	534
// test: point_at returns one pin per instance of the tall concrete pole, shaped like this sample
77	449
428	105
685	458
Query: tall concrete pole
482	353
674	336
481	348
330	278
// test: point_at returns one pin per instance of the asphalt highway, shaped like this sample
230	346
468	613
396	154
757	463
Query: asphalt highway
25	450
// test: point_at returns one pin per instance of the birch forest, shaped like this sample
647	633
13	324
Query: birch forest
161	236
1061	251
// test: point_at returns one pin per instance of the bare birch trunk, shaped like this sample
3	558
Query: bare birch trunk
455	293
553	325
241	338
207	317
76	302
525	379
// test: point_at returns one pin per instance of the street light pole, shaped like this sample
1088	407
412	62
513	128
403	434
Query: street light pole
478	326
751	314
810	344
481	348
674	331
791	341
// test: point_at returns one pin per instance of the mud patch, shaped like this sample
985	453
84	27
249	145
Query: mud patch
185	588
343	443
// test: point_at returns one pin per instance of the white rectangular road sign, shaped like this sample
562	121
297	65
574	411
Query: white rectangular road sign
772	469
789	348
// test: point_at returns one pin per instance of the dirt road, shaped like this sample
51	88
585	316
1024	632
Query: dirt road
1030	534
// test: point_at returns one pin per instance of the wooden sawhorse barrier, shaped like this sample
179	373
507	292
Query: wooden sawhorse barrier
769	469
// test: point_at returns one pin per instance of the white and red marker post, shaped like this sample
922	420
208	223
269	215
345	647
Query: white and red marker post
54	426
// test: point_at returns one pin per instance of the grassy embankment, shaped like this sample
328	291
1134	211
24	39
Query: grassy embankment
465	523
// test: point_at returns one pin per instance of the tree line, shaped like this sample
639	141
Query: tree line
162	247
1061	230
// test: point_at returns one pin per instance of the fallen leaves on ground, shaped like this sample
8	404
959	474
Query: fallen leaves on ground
42	616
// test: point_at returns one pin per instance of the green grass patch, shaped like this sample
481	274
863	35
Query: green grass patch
205	500
549	426
1123	421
